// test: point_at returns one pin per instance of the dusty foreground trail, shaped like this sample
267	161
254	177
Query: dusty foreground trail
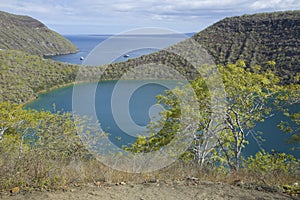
180	190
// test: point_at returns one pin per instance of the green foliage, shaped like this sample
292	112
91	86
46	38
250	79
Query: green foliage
268	39
292	189
274	168
23	75
27	34
33	144
291	97
171	125
292	127
251	98
272	164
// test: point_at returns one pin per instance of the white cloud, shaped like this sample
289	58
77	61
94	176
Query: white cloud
133	13
276	4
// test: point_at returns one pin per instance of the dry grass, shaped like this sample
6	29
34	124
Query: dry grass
33	172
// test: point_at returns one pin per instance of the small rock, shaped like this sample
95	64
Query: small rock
15	190
152	181
192	179
270	189
93	194
76	184
296	184
259	188
238	183
122	183
97	183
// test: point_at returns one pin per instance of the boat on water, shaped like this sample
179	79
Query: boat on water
126	56
81	58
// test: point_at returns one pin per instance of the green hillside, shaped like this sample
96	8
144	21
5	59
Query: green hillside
27	34
257	39
267	37
23	76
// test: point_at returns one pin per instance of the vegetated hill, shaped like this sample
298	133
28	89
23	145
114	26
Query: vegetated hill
30	35
257	39
23	75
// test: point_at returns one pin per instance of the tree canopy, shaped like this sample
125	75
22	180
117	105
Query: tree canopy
251	97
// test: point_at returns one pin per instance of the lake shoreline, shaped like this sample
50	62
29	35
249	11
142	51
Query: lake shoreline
48	56
45	91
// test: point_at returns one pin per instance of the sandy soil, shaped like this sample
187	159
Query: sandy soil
180	190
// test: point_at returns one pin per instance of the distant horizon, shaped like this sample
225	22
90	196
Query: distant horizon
113	34
110	18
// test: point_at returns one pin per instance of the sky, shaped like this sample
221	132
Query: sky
115	16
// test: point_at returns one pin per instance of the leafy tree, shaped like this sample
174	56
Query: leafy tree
251	98
267	166
30	129
34	145
292	97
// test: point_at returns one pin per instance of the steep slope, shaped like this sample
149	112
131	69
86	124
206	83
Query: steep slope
27	34
23	75
257	39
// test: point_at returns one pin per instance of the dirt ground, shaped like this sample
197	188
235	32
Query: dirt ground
180	190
